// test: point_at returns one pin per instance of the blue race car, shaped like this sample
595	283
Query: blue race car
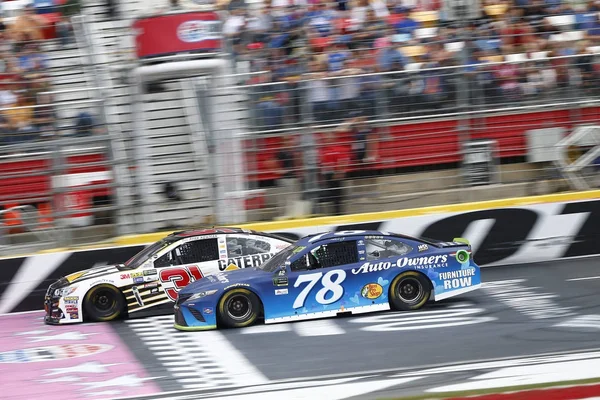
328	274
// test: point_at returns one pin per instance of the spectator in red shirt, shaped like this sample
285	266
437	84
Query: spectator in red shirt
334	163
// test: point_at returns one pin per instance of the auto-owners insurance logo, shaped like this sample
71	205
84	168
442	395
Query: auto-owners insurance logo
197	31
438	261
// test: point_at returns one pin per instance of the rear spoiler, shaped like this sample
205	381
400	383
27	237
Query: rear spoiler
456	242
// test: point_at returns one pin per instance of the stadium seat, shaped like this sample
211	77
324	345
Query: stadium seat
566	21
425	33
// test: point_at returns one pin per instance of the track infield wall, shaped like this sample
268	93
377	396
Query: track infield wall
502	232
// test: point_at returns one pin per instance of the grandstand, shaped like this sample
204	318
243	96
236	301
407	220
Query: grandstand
394	96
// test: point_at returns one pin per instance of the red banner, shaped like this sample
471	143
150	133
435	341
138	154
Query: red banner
169	34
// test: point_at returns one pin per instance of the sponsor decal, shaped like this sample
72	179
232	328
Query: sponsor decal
222	278
361	242
373	237
154	290
64	291
150	272
207	310
423	247
279	292
102	281
245	261
71	299
298	249
175	279
223	251
125	276
75	276
150	285
74	315
136	294
138	280
236	285
52	353
280	246
438	261
361	252
136	274
457	279
371	291
196	31
280	281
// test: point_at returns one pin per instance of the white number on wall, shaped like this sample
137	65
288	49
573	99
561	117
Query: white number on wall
330	285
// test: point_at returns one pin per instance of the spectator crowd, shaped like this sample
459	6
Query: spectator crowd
26	106
323	60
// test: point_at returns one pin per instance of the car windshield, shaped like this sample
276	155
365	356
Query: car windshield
144	255
278	259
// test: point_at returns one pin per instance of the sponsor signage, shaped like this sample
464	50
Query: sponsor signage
52	353
169	34
254	260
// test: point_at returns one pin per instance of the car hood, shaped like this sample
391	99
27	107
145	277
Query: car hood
95	272
224	279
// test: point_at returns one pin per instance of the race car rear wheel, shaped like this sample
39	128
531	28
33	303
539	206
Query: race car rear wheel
103	303
239	308
409	291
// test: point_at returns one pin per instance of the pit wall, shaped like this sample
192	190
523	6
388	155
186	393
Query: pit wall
502	232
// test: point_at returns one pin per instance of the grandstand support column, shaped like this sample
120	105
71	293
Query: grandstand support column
227	132
310	191
462	83
140	153
202	95
196	117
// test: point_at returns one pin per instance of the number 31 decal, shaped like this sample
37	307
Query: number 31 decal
329	285
175	279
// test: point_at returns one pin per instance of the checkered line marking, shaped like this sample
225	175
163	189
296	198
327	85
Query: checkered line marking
197	360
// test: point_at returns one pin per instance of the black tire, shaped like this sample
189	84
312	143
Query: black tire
103	303
409	291
239	308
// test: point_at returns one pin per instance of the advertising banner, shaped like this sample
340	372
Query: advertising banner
169	34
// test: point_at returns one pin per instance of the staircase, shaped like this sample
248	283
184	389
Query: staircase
174	144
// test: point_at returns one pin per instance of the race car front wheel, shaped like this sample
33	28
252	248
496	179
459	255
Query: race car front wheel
409	291
103	303
238	308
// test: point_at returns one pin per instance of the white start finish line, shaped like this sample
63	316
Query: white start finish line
549	370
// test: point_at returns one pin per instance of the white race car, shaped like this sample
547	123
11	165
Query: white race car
148	283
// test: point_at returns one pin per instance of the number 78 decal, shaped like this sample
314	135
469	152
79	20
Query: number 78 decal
334	286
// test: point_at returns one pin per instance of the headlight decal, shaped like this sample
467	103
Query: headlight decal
202	294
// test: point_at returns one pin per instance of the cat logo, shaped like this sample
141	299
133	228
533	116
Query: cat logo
231	267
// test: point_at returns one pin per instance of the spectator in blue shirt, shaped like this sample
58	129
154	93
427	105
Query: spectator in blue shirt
389	55
406	25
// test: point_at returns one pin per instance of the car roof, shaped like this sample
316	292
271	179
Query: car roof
222	230
332	234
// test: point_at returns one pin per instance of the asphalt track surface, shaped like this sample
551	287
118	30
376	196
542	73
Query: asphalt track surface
521	311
